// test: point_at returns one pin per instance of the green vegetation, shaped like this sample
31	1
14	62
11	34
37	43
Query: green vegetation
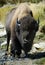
2	2
35	1
41	62
39	37
3	12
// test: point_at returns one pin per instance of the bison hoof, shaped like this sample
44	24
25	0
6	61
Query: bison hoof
6	53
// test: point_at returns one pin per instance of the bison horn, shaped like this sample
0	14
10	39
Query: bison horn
18	23
17	27
38	21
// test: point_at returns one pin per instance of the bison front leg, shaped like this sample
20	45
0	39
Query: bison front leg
15	46
8	40
12	46
18	47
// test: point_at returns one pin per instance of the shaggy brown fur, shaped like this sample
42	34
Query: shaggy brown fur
22	11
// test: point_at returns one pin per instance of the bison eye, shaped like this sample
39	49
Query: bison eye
18	29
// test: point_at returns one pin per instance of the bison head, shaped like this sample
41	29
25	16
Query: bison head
26	29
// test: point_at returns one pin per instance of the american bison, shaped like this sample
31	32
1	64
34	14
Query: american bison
21	28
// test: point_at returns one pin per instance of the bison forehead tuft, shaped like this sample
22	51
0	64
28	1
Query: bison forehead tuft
27	22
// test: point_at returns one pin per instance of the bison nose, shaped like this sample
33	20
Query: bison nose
25	41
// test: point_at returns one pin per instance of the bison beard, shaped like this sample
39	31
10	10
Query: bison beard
15	29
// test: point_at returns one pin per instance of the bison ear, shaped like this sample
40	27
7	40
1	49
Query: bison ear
31	13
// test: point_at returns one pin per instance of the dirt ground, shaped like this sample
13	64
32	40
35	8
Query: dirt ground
30	59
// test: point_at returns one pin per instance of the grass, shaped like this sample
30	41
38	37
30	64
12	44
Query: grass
41	61
3	12
39	38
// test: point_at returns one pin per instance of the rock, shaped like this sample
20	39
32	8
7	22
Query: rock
4	43
2	30
2	33
1	26
40	46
